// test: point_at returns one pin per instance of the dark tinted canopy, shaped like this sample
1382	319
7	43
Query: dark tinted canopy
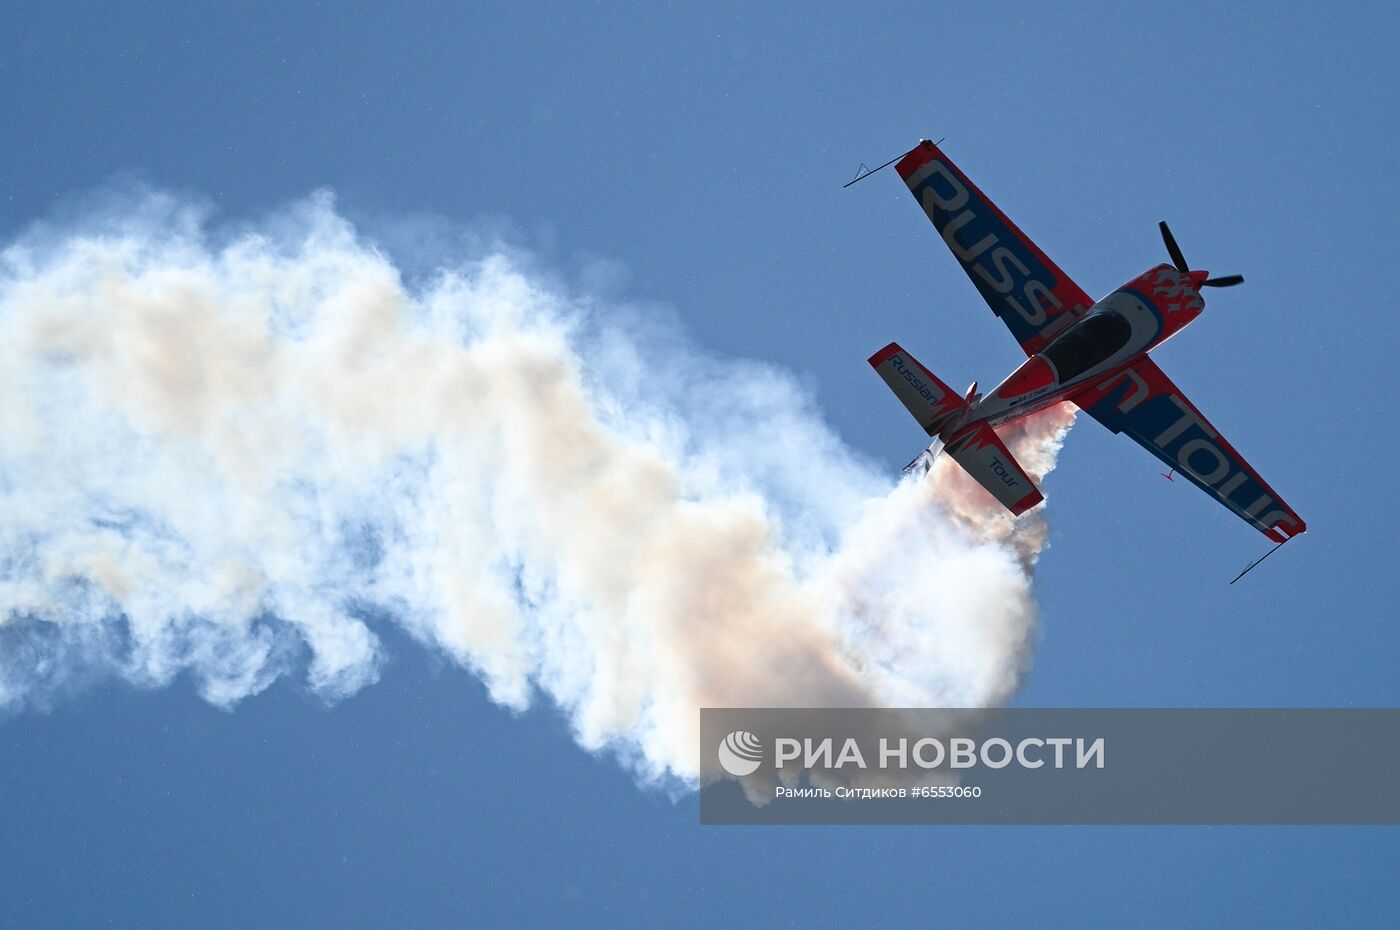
1088	342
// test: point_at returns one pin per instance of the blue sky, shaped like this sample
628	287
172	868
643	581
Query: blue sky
702	150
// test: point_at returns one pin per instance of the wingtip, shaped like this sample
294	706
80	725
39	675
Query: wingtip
1278	534
1027	502
879	358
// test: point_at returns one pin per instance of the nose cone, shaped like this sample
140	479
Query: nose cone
1198	278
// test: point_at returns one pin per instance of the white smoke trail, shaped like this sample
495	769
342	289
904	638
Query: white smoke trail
228	456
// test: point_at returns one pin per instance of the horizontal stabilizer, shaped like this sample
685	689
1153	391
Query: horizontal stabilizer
982	454
933	403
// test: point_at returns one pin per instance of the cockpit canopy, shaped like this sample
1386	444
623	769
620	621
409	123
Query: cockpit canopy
1087	343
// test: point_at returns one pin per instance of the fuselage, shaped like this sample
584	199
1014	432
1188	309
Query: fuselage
1108	336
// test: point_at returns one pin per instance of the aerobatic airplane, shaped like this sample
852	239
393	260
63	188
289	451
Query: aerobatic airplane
1093	354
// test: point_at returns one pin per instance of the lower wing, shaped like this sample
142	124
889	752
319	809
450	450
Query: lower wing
1143	402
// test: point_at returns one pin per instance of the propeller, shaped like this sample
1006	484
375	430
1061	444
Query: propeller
1179	260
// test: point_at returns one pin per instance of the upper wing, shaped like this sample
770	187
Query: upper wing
1033	297
1142	401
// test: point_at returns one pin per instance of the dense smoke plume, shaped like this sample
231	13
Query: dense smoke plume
234	455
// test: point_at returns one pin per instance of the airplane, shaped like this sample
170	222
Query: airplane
1093	354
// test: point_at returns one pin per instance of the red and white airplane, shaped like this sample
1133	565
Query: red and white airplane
1094	354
